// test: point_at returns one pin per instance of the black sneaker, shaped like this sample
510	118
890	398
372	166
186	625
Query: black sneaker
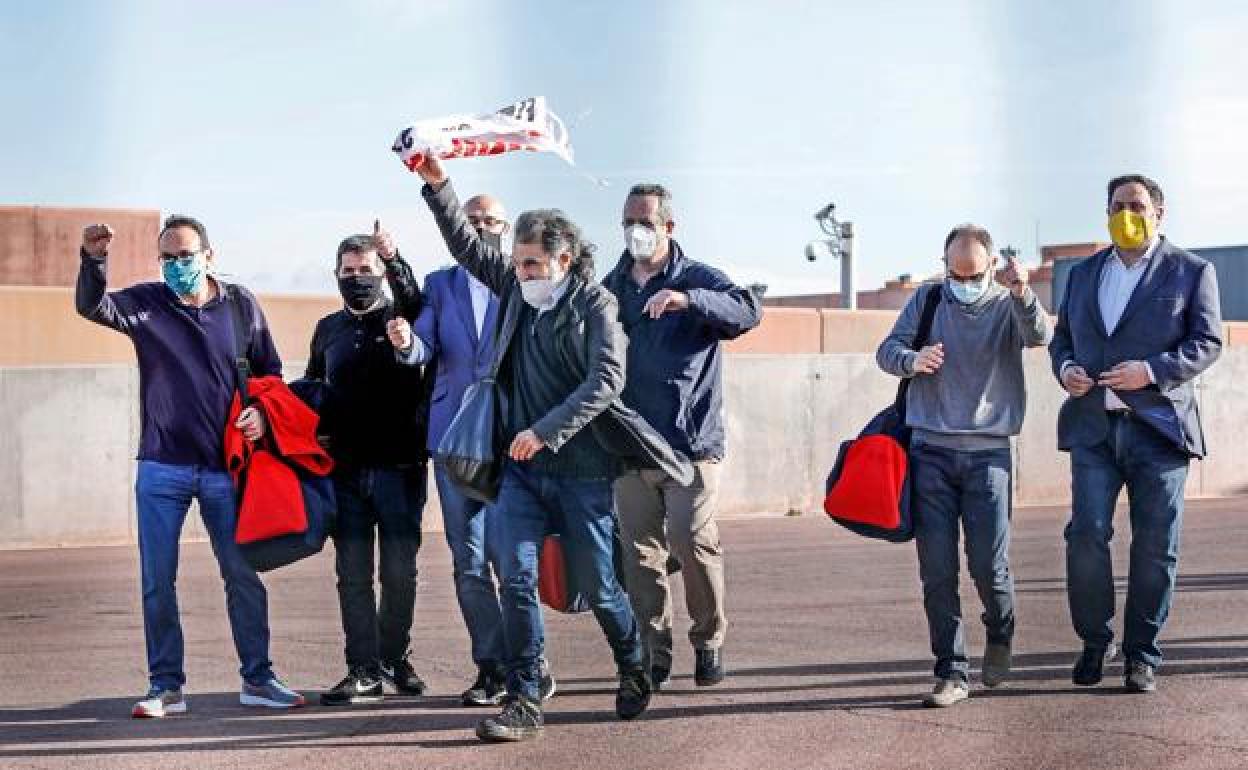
488	690
360	686
547	686
1089	669
1140	677
520	720
708	667
400	674
634	694
659	676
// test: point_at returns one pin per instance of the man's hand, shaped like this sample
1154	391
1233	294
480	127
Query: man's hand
525	445
383	242
430	170
1015	276
252	423
1076	381
930	359
96	239
1128	375
400	333
666	301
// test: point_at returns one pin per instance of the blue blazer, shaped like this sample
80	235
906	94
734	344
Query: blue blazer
1173	321
448	331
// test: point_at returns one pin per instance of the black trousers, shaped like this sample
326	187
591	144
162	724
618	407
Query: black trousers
379	509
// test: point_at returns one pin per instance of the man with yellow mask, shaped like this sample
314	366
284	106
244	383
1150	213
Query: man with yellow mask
1137	324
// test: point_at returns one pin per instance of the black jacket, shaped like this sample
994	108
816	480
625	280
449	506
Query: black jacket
592	342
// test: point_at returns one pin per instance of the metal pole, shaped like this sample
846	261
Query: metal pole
849	293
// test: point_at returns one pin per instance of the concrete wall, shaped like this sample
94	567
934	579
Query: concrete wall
39	244
67	471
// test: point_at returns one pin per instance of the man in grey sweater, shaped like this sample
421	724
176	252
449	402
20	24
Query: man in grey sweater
966	401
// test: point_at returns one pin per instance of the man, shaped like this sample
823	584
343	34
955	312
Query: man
965	402
1138	323
455	334
373	424
183	337
676	312
561	352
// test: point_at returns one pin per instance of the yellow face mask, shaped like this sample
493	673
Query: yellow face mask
1130	231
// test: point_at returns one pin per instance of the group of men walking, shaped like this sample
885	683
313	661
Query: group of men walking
614	437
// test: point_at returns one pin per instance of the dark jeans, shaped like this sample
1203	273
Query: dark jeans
463	521
1154	472
386	502
164	494
529	505
973	488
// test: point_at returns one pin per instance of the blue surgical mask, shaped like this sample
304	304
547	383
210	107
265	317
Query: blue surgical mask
185	277
969	293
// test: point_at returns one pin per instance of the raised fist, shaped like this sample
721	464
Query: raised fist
96	239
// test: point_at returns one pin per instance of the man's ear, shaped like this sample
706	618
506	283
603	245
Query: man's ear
671	227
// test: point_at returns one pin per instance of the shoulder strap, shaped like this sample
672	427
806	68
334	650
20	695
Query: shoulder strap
931	301
242	364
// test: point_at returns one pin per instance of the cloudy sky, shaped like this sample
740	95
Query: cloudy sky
272	121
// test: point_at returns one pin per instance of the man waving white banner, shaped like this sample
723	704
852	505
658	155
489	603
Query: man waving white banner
525	125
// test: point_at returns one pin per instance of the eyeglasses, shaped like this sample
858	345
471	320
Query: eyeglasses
184	258
485	221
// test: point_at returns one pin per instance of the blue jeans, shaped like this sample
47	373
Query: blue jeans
531	504
379	509
164	494
972	488
463	520
1154	471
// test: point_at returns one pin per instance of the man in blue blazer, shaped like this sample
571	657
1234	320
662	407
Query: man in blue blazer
1138	323
455	334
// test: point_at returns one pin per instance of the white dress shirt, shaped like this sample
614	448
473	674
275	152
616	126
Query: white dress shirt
480	301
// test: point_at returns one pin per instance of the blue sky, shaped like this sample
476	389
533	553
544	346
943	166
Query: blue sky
272	120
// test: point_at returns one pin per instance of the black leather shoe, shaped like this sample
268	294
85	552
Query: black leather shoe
634	694
1140	677
1089	669
708	667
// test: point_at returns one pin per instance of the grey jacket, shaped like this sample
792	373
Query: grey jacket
591	340
978	397
1173	321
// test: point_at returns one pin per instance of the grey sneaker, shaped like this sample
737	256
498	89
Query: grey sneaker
159	702
996	664
272	694
1140	677
947	692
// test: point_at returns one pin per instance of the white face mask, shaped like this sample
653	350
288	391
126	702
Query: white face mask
640	241
970	293
538	291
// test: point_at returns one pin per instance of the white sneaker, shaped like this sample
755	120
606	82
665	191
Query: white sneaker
272	694
947	692
159	703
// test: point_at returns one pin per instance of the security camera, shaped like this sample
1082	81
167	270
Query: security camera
812	253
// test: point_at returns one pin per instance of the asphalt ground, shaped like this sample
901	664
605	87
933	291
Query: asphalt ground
827	656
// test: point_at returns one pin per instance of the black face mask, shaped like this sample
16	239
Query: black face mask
493	239
360	292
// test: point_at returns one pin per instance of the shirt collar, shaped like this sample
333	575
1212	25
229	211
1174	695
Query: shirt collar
1148	254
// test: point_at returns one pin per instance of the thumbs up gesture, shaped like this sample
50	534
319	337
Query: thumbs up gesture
384	242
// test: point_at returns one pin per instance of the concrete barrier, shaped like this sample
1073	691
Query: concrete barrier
67	469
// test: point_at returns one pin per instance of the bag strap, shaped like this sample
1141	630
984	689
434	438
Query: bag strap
242	364
931	301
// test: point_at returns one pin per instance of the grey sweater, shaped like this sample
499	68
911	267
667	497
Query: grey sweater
977	398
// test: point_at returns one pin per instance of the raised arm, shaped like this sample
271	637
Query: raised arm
481	259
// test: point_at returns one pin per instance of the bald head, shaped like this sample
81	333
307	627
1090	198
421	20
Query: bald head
486	214
968	252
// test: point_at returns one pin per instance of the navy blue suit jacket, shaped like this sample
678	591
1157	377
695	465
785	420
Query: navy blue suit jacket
448	331
1173	321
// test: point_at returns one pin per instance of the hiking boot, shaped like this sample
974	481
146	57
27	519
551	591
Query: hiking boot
359	686
159	702
1140	677
947	692
272	694
520	720
488	690
402	677
546	685
1089	669
996	668
634	694
708	667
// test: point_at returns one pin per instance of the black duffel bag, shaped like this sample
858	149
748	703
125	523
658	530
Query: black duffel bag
471	450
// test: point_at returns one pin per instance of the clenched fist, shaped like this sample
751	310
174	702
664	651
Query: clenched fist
930	359
430	170
400	333
252	423
1076	381
96	239
1015	276
525	445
